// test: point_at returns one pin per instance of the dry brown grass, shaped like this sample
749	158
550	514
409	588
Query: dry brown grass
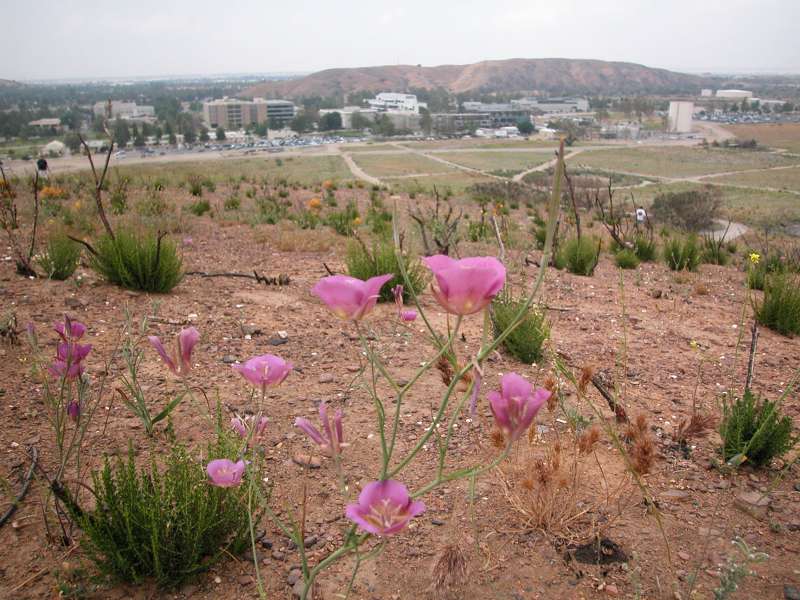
285	237
642	449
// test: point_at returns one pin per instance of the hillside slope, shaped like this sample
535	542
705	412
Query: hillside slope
544	75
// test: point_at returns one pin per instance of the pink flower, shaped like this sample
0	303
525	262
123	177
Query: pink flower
241	425
384	508
70	330
179	363
408	315
331	440
405	315
264	370
225	473
69	360
74	410
349	298
516	405
468	285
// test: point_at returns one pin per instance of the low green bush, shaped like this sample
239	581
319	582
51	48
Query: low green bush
364	263
579	256
714	252
626	259
152	205
144	262
754	430
165	525
780	308
767	265
645	248
343	221
270	211
232	203
306	219
526	341
199	208
682	254
60	258
195	185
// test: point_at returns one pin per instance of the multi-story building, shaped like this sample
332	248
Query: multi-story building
552	105
347	114
123	110
230	113
734	94
394	102
499	114
679	119
459	123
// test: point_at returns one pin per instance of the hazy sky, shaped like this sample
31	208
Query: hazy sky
110	38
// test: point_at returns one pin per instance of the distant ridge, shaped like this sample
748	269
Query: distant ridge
5	83
536	75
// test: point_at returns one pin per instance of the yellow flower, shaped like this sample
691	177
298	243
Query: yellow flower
755	257
314	204
694	344
357	221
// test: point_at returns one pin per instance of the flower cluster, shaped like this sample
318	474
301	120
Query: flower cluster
69	353
331	439
180	363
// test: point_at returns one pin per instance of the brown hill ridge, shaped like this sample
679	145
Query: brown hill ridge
544	75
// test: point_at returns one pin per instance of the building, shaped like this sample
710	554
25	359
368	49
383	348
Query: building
552	105
347	114
679	118
49	124
230	113
394	102
706	93
458	123
734	94
123	110
499	114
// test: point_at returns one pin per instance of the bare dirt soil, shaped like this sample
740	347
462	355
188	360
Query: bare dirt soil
644	345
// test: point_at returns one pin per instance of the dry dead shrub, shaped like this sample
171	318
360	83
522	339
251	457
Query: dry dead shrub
563	490
642	449
697	425
551	384
700	289
585	379
449	573
286	238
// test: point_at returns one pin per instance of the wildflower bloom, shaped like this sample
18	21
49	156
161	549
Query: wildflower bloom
755	257
468	285
225	473
314	204
241	425
181	362
264	370
349	298
384	508
516	404
69	360
331	439
70	330
405	315
74	410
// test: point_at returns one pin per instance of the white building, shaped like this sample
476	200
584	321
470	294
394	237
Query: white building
679	119
734	94
123	110
347	114
394	102
552	105
706	93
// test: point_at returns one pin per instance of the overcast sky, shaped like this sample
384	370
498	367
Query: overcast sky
93	38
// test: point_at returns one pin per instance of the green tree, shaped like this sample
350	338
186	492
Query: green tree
72	141
274	124
302	123
204	134
122	134
384	126
425	120
359	121
525	127
220	134
330	121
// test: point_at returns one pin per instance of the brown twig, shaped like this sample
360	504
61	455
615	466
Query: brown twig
751	361
280	280
25	485
98	182
35	214
87	245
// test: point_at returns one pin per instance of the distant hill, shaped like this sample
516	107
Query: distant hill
544	75
9	83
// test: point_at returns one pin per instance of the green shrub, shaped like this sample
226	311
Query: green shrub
153	205
626	259
195	186
767	265
714	252
364	263
232	202
579	256
645	248
754	430
270	211
526	340
780	309
306	219
209	184
682	254
60	258
343	221
199	208
165	525
691	210
144	262
477	231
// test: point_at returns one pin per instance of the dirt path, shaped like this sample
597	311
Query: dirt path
358	171
713	132
544	166
450	164
728	231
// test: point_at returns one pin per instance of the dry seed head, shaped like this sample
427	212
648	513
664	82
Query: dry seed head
498	438
449	570
586	377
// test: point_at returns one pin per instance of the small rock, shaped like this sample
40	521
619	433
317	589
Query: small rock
353	368
277	341
217	579
797	487
295	575
297	589
283	335
790	592
266	543
244	579
307	460
310	541
325	378
674	494
612	590
277	555
684	555
229	359
437	522
754	498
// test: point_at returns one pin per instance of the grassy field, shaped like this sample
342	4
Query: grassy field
303	170
480	144
679	162
369	148
779	135
496	161
390	165
457	181
787	179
